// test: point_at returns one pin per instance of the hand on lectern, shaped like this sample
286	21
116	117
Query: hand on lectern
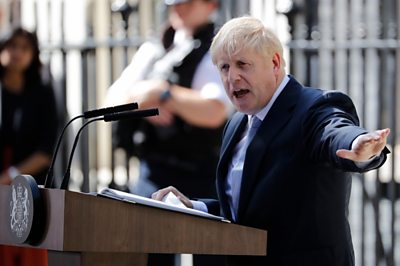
160	194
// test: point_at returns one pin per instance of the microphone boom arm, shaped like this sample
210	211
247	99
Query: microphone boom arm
49	176
66	177
106	118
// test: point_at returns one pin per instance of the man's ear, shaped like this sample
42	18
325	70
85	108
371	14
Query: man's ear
276	61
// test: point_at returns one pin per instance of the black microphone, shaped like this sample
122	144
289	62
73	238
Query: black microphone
110	110
88	114
106	118
130	114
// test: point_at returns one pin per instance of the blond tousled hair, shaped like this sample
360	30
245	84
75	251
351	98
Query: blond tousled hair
248	33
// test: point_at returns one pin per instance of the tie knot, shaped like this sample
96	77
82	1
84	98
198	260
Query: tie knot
255	122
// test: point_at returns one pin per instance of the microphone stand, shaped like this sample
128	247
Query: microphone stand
67	174
107	118
49	177
87	114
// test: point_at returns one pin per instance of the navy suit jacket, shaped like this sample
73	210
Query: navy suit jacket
293	185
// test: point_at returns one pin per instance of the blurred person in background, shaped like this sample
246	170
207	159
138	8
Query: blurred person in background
176	75
28	124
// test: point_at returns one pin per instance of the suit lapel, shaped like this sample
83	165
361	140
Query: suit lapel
233	132
272	125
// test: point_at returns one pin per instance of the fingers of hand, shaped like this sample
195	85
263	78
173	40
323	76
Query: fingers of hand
185	201
365	149
384	133
368	145
379	135
374	141
345	154
160	194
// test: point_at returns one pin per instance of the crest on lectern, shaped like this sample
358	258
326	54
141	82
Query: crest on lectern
20	210
26	211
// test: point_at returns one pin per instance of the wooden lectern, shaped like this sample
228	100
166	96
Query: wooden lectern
83	229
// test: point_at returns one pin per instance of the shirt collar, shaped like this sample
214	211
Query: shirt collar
263	113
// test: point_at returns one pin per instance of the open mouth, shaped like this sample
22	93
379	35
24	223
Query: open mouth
240	93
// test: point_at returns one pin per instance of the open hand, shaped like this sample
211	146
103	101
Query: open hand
367	146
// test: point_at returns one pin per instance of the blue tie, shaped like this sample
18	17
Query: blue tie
254	125
234	179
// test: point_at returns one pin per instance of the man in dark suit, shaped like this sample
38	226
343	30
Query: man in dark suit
293	178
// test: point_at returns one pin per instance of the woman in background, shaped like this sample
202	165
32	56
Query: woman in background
28	125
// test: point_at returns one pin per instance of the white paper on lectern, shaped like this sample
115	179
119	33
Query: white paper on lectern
133	198
173	200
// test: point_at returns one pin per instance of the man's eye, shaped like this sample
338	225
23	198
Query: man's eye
224	67
241	64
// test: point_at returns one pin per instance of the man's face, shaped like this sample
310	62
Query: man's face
250	78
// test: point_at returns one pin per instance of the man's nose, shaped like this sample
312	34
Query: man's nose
234	75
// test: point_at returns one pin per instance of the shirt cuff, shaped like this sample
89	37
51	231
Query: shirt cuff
199	205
